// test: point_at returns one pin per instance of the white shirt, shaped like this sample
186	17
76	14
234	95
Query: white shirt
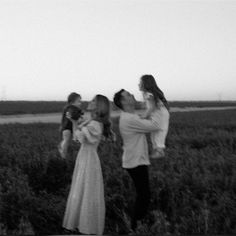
147	96
162	115
135	147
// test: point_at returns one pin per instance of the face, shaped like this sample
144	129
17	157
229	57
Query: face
92	105
140	85
128	98
77	102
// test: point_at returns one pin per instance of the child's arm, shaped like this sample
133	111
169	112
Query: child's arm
150	104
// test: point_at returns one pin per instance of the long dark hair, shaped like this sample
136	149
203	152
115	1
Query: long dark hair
149	85
102	114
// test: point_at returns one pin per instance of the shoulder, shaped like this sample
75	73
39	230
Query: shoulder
95	126
126	118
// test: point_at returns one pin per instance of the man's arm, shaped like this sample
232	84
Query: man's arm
142	125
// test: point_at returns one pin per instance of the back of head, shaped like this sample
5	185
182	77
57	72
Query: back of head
72	97
148	82
117	99
149	85
74	111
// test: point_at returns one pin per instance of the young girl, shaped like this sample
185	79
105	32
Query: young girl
156	108
73	107
85	208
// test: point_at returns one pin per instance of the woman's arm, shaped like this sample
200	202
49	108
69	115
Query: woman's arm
87	130
89	133
84	123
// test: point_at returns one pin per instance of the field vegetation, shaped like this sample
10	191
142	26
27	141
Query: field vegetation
193	190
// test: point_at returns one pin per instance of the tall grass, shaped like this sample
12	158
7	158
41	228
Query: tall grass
193	190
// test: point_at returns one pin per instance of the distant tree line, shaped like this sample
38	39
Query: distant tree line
34	107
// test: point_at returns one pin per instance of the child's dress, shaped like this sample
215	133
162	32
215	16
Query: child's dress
161	115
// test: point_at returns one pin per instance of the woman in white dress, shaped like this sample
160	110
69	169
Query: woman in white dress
85	209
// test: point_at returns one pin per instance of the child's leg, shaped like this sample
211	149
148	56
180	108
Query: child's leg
154	145
157	152
66	138
156	139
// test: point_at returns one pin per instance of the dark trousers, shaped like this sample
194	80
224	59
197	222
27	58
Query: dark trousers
140	178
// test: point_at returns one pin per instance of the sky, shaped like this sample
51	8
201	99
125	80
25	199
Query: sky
49	48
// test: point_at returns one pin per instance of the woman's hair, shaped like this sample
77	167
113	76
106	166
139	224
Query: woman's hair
149	85
72	97
102	114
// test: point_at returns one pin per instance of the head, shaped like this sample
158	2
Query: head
100	110
123	99
148	84
99	106
74	99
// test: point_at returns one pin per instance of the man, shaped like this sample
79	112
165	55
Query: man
135	157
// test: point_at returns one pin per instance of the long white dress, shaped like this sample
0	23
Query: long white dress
85	209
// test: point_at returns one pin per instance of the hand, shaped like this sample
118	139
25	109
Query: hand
68	116
81	120
84	123
79	127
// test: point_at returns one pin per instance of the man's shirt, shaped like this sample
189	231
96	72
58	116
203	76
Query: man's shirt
135	147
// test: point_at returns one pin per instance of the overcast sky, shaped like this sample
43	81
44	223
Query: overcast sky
49	48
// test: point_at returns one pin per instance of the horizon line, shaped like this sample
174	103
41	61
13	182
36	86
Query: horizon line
23	100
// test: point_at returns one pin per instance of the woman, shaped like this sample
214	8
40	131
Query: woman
85	209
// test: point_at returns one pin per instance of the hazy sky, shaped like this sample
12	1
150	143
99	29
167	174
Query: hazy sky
49	48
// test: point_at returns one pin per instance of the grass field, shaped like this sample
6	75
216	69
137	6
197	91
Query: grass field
193	189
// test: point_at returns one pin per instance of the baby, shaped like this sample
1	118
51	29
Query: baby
73	108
